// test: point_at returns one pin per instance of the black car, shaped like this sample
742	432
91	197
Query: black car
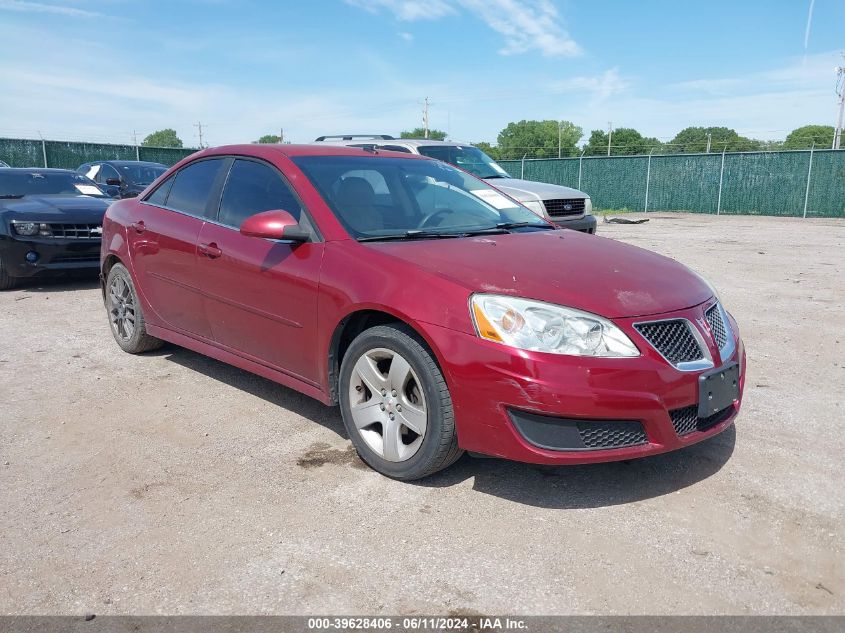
122	178
51	222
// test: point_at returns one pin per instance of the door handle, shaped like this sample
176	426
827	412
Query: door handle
139	226
210	250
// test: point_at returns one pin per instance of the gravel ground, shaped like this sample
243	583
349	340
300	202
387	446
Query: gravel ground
171	483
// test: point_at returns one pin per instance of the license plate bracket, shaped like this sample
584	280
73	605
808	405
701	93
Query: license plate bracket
718	389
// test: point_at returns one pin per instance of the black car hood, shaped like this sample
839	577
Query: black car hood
65	208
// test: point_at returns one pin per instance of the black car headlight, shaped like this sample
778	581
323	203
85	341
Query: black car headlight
25	228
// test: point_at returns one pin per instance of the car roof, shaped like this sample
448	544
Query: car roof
41	170
120	163
315	149
407	142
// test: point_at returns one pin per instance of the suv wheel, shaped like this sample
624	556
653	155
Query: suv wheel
125	314
395	404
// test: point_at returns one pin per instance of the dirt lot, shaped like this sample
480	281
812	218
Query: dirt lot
171	483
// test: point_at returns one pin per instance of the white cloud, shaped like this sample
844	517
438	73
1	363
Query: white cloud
599	87
408	37
24	6
407	10
525	25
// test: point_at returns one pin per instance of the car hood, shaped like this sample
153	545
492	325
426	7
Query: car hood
528	190
69	208
587	272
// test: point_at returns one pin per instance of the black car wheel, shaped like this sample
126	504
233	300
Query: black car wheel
125	314
6	281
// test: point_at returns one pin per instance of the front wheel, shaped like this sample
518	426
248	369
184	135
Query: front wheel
125	314
6	281
395	404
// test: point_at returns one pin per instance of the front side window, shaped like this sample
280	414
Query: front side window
107	172
192	187
378	197
469	158
140	173
254	187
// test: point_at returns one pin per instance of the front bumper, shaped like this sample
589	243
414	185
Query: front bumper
54	255
493	387
585	223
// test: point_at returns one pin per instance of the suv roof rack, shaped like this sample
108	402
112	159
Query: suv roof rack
352	137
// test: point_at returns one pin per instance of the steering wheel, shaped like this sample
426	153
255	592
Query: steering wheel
434	214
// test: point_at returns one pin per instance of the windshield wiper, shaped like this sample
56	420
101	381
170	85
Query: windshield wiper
414	234
11	196
519	225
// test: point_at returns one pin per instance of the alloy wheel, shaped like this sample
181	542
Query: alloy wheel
122	308
387	404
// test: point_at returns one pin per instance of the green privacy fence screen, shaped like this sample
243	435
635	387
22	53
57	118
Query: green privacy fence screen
70	155
760	183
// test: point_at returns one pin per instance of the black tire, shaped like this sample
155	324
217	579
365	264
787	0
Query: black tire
138	341
7	282
439	448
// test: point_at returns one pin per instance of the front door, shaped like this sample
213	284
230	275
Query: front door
261	295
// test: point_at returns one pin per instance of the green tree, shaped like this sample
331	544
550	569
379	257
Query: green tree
538	139
270	138
694	139
804	137
625	141
163	138
418	132
491	150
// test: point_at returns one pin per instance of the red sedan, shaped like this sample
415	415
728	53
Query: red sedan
439	314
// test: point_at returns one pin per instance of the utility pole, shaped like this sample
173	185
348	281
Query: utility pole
840	90
609	135
198	125
135	143
425	117
281	135
559	127
709	138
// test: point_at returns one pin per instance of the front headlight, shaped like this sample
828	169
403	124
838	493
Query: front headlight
537	207
544	327
588	206
25	228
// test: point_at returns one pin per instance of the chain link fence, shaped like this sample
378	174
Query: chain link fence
70	155
807	183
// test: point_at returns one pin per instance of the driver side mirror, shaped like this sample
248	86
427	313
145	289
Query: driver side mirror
113	182
274	225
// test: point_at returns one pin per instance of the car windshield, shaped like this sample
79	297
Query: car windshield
18	183
140	174
466	157
377	197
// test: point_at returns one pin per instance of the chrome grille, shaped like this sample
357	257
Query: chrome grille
568	206
717	325
75	231
673	339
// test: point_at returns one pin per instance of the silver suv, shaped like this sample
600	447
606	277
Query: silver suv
566	207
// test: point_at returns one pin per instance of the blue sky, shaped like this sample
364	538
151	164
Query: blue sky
97	70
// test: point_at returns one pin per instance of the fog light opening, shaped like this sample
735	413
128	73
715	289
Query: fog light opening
32	257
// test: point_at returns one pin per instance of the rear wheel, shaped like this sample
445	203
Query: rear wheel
395	404
6	281
125	314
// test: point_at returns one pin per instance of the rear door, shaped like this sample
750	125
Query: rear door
163	244
261	295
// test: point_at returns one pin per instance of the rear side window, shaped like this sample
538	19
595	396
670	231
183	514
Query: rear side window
192	187
254	187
